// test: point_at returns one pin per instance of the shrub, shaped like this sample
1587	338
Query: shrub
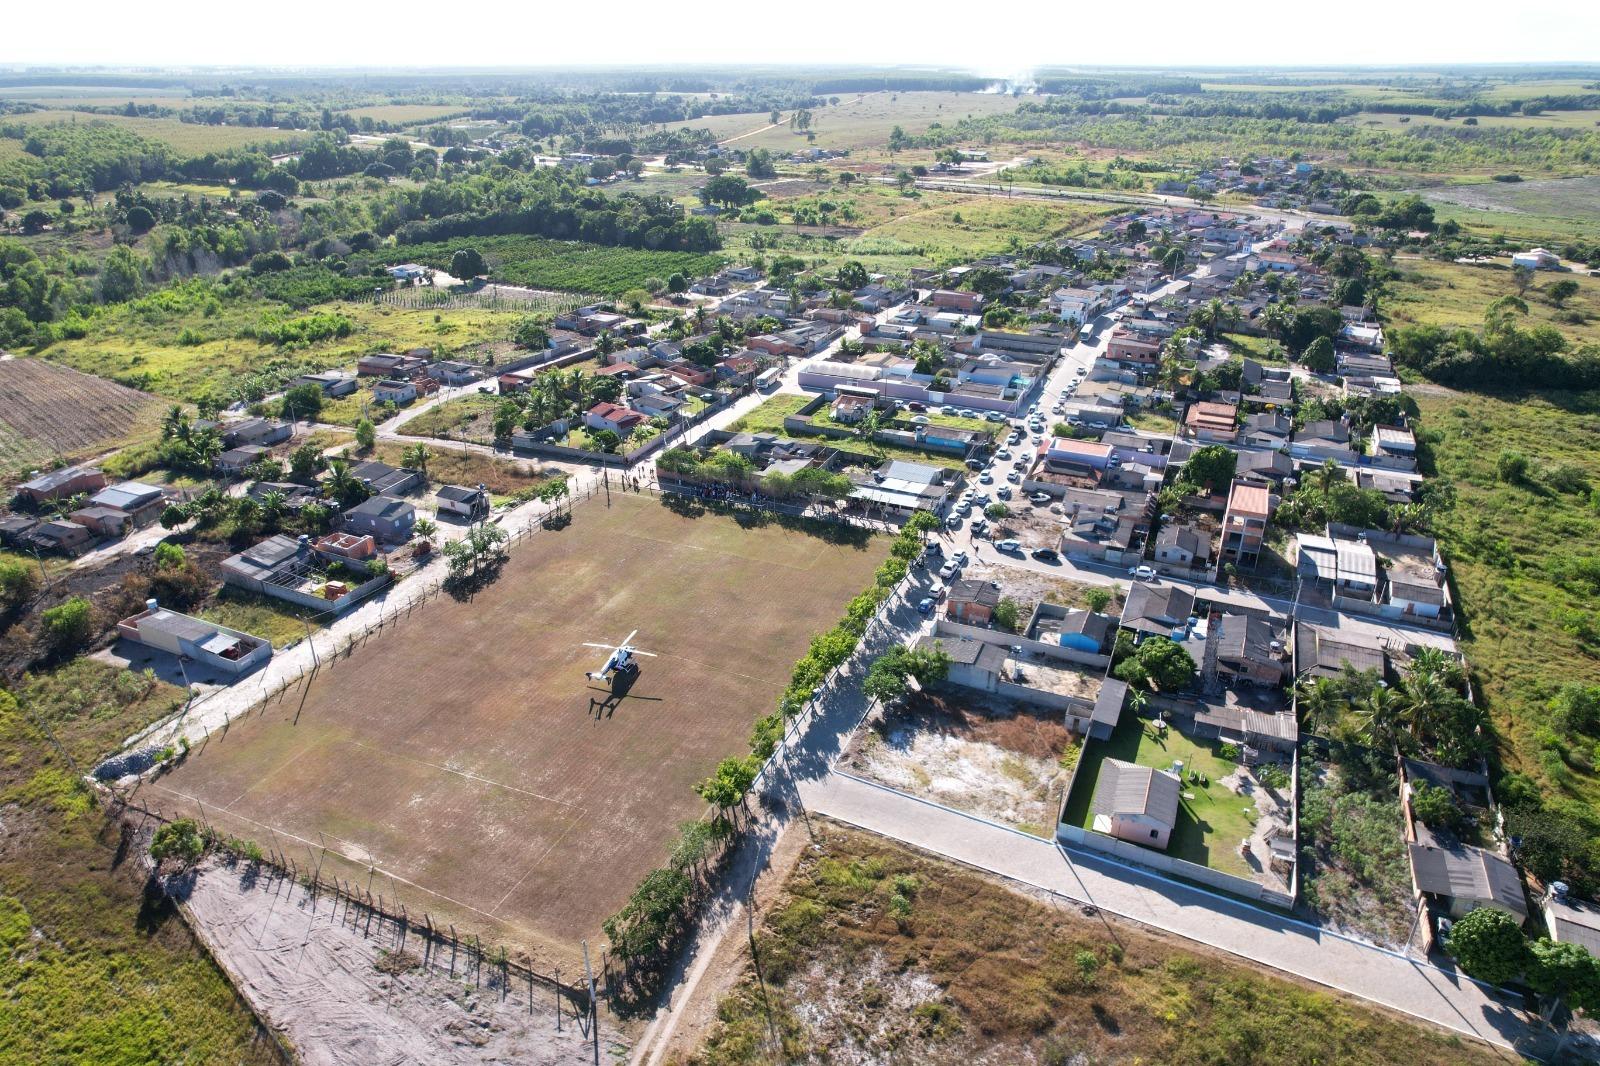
1434	806
1488	944
67	626
180	841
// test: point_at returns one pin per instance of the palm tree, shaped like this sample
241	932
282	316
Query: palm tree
1329	474
1172	260
1407	518
1169	375
1379	717
341	484
1276	319
416	458
1319	703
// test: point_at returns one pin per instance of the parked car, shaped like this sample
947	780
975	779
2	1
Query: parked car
1040	498
1014	477
953	522
1047	555
1003	453
994	416
1003	492
933	548
925	606
974	464
948	570
916	406
1142	573
1008	545
959	558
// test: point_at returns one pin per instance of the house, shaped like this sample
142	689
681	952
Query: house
1103	717
1571	920
384	517
656	403
1536	259
102	521
955	300
901	488
227	650
389	365
331	382
850	407
348	546
408	271
1067	454
68	538
1269	429
972	602
1321	652
461	501
1244	523
288	568
1183	545
1343	566
1394	441
1157	610
1214	423
618	419
62	484
1465	877
454	372
259	431
1249	648
394	391
16	530
385	480
1081	306
973	663
1263	468
236	461
142	503
1135	803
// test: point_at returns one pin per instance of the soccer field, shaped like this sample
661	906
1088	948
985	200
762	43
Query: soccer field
466	758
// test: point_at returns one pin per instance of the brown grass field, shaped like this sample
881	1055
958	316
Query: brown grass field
49	411
465	757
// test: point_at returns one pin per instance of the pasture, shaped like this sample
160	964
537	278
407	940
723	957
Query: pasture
49	412
463	761
859	121
1552	211
1455	294
186	138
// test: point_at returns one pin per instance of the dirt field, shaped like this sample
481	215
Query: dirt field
467	758
995	758
48	410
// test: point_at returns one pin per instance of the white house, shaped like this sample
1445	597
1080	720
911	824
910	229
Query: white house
1536	259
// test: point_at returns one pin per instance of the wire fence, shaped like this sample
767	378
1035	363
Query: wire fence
467	953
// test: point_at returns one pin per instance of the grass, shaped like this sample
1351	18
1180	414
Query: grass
974	227
1521	557
186	138
1258	348
1553	212
49	412
1455	294
405	114
446	466
144	352
469	418
1153	421
768	418
93	971
568	266
1212	818
860	123
875	953
262	616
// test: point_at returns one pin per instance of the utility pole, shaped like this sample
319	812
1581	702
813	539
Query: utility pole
594	1005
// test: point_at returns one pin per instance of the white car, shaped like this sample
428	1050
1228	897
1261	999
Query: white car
1014	477
986	478
1040	498
1008	545
948	570
1142	573
1003	453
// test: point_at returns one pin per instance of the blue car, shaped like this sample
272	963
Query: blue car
925	606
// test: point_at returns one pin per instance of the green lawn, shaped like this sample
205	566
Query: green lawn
1212	819
260	616
768	418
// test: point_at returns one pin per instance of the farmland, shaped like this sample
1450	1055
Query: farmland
405	114
569	266
1554	211
860	123
874	953
185	138
49	412
506	789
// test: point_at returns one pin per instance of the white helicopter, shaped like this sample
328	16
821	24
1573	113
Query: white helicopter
620	660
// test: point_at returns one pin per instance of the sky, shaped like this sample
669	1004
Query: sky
1004	40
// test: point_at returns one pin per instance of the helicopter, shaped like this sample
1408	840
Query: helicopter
619	661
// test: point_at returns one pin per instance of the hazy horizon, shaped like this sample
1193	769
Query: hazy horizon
411	35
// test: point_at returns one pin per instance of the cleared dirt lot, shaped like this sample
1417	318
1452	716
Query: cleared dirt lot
466	757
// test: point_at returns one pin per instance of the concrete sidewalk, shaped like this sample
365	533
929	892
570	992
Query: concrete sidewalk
1408	985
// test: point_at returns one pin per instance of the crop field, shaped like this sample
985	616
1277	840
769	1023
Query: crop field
858	122
49	411
187	138
507	789
1455	294
569	266
404	114
974	227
